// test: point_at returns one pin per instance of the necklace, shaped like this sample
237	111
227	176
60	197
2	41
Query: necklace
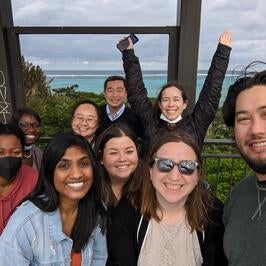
27	156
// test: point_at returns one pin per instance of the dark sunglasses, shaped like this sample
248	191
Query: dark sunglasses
185	167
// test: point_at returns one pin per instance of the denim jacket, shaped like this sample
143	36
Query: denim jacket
34	237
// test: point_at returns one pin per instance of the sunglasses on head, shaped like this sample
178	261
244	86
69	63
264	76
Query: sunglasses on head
185	167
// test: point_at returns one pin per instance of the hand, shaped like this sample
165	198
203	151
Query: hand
130	43
225	39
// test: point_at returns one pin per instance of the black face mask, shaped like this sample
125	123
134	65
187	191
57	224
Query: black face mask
9	166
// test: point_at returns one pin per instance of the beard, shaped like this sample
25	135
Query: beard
258	165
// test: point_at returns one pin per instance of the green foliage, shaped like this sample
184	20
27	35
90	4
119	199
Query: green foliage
34	81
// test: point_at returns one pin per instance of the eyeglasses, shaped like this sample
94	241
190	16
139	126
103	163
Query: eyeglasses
25	125
185	167
81	119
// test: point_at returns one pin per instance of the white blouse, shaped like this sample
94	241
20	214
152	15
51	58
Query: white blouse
170	245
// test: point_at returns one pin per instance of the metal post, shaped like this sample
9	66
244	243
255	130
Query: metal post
11	83
188	47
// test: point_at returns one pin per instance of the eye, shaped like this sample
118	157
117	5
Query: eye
63	165
112	153
17	152
130	151
243	120
165	100
85	163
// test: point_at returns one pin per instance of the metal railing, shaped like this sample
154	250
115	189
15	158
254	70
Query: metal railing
223	166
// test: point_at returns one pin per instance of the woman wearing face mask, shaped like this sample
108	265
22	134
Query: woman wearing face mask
176	221
63	220
16	179
85	119
30	123
116	149
172	100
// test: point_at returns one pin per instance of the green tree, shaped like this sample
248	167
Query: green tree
34	81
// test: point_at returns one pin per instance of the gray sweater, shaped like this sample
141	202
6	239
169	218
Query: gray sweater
245	224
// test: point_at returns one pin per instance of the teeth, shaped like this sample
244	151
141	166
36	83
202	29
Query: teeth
173	186
122	166
261	144
76	184
30	136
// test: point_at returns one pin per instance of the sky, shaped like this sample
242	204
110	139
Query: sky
244	18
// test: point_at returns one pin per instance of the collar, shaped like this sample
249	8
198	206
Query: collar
117	114
55	229
163	117
26	148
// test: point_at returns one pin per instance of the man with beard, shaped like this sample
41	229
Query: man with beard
245	210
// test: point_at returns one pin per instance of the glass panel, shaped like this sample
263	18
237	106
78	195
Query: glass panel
94	13
86	60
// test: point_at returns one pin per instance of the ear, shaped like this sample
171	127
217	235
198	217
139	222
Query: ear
150	170
185	105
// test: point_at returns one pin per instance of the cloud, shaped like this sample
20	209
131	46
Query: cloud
246	20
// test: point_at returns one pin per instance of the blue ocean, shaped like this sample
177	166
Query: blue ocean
93	80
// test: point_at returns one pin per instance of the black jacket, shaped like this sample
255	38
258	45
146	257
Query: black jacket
126	240
204	111
128	117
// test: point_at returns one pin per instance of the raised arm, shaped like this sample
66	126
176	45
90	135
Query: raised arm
136	92
208	102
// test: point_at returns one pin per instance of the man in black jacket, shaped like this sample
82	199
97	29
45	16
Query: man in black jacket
115	109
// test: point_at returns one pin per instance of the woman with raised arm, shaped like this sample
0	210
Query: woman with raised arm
63	220
167	114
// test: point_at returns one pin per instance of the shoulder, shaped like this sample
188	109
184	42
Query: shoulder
22	217
244	185
103	110
29	174
242	191
37	150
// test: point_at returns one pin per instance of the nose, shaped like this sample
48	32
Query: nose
122	156
76	171
171	102
258	126
175	174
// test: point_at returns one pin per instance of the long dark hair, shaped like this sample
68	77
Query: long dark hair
116	130
45	196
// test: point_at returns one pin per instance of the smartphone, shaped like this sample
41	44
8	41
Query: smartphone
122	45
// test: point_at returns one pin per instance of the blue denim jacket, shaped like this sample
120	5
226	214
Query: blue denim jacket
34	237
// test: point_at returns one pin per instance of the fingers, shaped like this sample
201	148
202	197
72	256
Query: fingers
225	38
130	46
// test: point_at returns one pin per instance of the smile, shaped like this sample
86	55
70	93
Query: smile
76	185
122	166
173	186
260	144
